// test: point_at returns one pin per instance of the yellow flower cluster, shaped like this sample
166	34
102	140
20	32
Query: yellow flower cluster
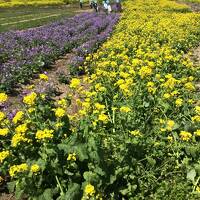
72	157
2	116
59	112
75	82
44	134
18	117
89	190
35	168
4	131
19	136
4	155
3	97
185	136
17	169
30	99
44	77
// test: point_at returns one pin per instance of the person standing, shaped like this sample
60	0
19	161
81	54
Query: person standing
95	5
118	5
81	3
91	4
108	6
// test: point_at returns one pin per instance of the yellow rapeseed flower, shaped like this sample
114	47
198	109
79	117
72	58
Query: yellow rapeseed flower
72	157
185	136
197	109
136	133
179	102
44	134
189	86
2	116
3	97
4	155
125	109
59	112
35	168
30	99
44	77
89	190
18	117
17	169
170	124
196	118
75	82
102	117
197	133
4	131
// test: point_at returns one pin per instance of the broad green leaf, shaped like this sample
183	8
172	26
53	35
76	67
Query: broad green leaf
191	175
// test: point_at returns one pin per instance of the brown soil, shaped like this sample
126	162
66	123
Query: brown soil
195	7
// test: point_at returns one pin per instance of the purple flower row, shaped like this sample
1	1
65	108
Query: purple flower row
24	53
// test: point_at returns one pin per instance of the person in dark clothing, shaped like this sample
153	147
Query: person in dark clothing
81	4
119	6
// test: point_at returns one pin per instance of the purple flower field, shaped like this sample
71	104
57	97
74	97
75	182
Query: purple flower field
25	53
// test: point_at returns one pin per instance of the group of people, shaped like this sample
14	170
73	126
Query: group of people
106	5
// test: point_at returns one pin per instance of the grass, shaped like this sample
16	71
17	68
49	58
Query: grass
20	18
192	1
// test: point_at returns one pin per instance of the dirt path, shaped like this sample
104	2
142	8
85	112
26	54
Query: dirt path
195	7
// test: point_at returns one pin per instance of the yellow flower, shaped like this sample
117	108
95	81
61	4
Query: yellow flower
20	136
30	99
59	112
62	103
136	133
30	110
166	95
58	125
197	133
4	155
35	168
145	71
170	138
179	102
4	131
21	128
44	77
189	86
102	117
125	109
75	82
170	125
3	97
185	136
72	157
197	109
2	116
158	76
196	118
44	134
17	169
99	106
19	115
89	190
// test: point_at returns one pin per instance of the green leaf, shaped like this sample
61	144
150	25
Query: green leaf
47	195
151	161
81	151
11	186
73	193
91	177
191	175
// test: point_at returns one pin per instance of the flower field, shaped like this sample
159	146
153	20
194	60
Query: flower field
23	53
14	3
136	133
